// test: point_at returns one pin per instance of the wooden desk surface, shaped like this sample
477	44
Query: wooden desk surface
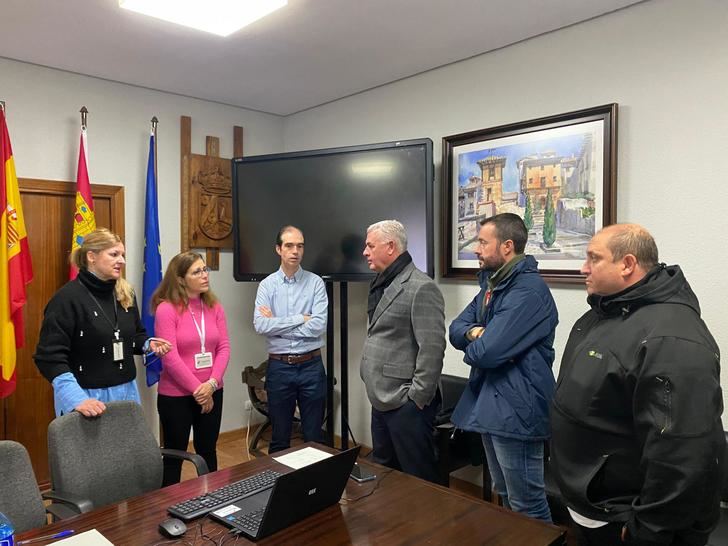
393	509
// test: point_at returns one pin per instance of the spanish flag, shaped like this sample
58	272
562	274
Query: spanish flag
16	269
84	219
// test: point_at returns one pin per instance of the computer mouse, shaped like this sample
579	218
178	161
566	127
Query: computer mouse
172	528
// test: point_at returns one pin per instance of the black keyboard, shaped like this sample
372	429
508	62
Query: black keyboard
199	506
248	523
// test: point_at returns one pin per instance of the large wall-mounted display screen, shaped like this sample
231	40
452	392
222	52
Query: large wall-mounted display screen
333	195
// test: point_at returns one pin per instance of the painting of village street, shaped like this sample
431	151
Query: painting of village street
553	179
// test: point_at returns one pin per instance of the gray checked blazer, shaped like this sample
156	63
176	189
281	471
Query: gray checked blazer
405	343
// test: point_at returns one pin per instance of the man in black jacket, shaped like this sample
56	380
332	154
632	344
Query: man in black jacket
637	439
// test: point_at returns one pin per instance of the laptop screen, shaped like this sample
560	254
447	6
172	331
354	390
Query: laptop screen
295	496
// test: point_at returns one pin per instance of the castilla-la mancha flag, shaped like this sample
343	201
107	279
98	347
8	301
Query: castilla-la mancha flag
16	269
84	219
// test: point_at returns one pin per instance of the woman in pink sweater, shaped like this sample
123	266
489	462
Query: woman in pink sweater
188	315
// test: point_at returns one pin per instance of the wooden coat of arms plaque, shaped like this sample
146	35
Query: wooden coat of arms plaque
207	196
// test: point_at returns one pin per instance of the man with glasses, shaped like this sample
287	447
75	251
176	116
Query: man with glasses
291	311
507	335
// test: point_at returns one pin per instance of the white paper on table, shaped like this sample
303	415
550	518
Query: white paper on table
302	457
88	538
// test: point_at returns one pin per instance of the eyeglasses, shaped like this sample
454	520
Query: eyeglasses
200	272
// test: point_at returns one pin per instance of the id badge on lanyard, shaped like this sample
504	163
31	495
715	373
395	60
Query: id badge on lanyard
118	346
203	359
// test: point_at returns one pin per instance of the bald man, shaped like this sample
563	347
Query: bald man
637	439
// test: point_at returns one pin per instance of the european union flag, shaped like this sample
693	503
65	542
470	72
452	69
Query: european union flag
152	260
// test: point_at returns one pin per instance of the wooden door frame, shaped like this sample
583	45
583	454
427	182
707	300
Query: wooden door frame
56	187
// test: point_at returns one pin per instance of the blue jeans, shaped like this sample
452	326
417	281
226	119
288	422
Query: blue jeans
290	384
516	468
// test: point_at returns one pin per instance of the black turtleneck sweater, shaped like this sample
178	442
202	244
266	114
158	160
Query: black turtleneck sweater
78	332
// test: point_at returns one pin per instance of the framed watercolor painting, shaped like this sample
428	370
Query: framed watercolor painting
558	173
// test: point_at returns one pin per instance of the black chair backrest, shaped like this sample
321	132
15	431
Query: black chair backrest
451	388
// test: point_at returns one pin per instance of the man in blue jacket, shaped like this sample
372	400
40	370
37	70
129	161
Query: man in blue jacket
507	335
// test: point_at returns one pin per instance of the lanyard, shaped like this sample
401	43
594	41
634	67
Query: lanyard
200	331
115	324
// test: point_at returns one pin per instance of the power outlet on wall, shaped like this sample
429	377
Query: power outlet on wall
248	405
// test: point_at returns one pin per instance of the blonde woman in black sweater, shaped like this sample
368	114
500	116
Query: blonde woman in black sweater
91	331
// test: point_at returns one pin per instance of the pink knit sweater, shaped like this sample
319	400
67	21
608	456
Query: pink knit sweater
179	376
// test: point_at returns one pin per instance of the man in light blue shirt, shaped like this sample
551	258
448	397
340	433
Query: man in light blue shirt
291	311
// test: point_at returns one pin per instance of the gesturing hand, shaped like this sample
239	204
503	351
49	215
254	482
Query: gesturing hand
160	347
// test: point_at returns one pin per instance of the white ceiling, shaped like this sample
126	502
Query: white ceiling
304	55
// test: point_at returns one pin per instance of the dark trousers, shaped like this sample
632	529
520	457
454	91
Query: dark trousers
611	535
403	439
606	535
179	414
290	384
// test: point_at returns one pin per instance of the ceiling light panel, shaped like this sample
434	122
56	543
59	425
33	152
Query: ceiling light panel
221	17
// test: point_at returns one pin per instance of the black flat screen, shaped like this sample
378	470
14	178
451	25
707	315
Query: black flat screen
333	195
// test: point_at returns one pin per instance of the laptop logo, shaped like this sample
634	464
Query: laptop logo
312	491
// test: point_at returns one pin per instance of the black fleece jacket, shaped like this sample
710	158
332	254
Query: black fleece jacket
636	429
77	334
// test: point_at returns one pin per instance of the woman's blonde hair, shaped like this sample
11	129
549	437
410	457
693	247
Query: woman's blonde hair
96	241
172	288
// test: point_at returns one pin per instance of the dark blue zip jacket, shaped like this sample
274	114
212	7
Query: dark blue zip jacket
511	383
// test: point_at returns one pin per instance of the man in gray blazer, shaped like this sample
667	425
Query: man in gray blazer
402	358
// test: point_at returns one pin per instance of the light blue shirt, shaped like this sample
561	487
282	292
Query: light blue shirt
67	393
289	299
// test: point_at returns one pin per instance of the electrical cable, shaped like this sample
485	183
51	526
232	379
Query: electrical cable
346	500
247	432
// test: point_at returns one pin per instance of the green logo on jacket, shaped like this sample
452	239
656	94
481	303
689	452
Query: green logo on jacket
595	354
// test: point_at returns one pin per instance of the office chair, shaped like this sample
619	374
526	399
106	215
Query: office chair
456	448
20	498
109	458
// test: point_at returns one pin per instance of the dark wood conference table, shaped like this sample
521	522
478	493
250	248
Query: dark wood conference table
393	509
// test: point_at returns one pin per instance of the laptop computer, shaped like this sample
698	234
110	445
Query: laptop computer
294	496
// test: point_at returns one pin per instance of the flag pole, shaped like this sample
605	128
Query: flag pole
84	219
155	123
152	272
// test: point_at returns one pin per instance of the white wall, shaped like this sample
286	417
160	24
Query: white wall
665	62
43	121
